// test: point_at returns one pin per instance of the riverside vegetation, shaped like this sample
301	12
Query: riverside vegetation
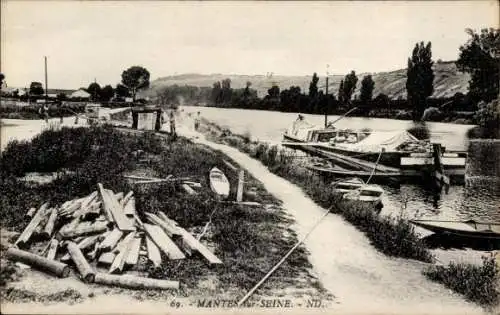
393	236
248	240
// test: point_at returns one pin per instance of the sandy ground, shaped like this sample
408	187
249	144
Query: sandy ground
362	280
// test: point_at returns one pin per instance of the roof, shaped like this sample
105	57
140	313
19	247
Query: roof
80	93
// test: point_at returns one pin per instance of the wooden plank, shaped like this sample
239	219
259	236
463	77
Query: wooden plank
49	227
125	199
188	189
119	196
51	254
161	239
31	227
133	255
129	208
31	212
111	240
154	254
192	243
134	282
54	267
106	258
106	206
122	252
169	228
116	210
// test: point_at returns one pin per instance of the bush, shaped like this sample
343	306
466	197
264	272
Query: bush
420	131
478	284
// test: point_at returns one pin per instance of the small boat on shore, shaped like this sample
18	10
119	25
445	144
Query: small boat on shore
463	229
219	183
355	189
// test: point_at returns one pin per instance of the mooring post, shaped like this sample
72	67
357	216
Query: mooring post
241	180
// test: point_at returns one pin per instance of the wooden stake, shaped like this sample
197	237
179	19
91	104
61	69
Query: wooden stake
153	252
49	227
133	282
54	267
87	273
125	199
123	251
241	180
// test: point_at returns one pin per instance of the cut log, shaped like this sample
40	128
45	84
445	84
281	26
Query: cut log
154	254
28	231
133	253
54	267
111	240
134	282
161	239
86	272
51	222
125	199
188	189
52	249
83	244
129	208
122	250
118	216
31	212
106	258
96	228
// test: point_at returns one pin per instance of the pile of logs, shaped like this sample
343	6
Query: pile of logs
103	230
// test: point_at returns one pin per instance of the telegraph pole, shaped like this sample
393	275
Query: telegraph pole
46	80
327	99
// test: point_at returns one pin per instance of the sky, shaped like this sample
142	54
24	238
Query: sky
87	40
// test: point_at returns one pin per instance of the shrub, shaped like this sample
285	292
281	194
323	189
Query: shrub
478	284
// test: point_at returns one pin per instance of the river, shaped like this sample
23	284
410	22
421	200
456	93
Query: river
480	200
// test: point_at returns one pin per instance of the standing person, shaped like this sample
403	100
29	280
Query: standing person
46	113
172	124
61	113
197	121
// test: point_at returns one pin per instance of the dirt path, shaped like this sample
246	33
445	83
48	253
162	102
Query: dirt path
362	279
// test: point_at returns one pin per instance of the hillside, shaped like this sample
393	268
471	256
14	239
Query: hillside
448	81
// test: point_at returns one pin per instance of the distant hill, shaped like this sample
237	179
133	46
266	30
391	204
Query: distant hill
448	81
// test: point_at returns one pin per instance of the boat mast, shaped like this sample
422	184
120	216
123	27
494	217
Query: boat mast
46	88
327	99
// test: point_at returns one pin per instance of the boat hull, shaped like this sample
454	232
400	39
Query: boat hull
472	234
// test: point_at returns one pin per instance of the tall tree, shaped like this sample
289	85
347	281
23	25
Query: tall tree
107	93
135	78
122	91
480	57
341	91
226	91
94	90
349	86
2	77
36	88
313	86
367	85
420	78
216	96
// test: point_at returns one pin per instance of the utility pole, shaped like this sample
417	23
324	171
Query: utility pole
327	99
46	82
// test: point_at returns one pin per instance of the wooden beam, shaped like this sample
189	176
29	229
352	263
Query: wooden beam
28	231
86	272
115	210
134	282
133	254
49	227
154	254
161	239
54	267
51	254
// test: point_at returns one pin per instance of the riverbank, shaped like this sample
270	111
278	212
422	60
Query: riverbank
249	240
397	234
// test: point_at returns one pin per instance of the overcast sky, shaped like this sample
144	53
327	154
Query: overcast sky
86	40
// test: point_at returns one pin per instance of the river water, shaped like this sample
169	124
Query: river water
479	200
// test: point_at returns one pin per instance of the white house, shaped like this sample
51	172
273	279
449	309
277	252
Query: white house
80	94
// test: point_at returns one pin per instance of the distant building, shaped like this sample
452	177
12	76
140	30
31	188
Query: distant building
80	94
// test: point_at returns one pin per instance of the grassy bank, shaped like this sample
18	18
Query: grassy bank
393	236
248	240
31	111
